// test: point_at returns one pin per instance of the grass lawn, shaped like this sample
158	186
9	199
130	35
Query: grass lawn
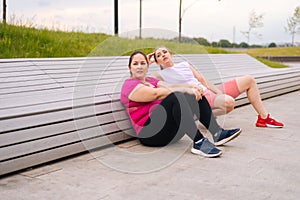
29	42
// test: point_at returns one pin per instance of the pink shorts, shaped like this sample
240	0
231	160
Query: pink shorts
230	88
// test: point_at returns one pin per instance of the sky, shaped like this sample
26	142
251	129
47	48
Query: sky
211	19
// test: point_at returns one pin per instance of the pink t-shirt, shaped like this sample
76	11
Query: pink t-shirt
138	112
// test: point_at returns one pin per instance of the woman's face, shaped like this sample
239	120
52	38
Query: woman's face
163	57
138	66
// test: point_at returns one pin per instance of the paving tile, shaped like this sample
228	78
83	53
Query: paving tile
259	164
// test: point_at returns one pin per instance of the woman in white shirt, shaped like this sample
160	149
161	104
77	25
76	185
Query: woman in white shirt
222	97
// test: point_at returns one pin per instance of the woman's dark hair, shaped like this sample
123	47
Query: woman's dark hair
135	53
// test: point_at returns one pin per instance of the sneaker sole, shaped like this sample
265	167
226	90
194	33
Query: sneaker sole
224	141
197	152
268	125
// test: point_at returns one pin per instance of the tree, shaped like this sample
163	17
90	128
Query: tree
181	13
224	44
255	21
243	45
180	19
202	41
214	44
272	45
293	24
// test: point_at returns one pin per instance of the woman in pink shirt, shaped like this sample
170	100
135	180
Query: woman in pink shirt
162	113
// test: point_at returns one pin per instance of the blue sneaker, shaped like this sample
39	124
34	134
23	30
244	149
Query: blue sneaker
223	136
205	148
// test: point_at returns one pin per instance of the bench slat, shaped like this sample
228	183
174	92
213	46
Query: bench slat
58	153
53	108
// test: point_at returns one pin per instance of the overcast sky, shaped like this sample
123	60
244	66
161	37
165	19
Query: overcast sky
211	19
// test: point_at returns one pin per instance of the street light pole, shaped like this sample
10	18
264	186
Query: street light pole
4	11
140	33
116	25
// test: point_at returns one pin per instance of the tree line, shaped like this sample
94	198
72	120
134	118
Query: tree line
223	43
255	21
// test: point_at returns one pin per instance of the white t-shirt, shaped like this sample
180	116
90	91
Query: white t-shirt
180	73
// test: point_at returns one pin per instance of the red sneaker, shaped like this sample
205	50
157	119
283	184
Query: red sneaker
268	122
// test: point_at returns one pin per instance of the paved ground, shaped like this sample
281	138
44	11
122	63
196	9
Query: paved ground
259	164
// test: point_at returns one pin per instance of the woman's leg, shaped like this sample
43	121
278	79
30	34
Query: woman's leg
203	112
232	89
178	120
220	104
248	84
169	122
206	117
223	104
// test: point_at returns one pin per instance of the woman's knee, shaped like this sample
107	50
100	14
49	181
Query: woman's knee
225	103
229	104
250	79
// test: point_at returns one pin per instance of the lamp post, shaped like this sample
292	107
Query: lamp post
4	11
116	25
140	30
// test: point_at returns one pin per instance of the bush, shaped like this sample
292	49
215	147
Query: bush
244	45
202	41
272	45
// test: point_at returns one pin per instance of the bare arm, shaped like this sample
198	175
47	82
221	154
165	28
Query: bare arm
205	82
142	93
157	76
184	88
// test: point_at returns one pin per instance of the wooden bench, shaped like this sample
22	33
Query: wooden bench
54	108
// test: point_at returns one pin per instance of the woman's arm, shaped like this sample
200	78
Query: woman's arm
157	76
142	93
205	82
184	88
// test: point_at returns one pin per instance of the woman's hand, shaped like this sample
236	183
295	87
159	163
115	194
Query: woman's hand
150	58
194	91
197	87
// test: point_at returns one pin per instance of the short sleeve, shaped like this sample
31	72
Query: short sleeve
153	81
127	87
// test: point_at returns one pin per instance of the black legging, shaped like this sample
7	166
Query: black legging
203	112
174	117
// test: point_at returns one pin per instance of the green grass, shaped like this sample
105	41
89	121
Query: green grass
269	52
272	63
279	51
29	42
24	42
